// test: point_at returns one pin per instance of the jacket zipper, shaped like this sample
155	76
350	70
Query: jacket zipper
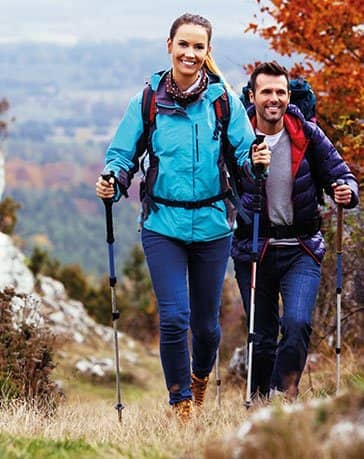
196	141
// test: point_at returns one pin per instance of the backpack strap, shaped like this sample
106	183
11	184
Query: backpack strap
148	114
148	106
222	113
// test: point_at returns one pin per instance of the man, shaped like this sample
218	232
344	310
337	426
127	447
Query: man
291	246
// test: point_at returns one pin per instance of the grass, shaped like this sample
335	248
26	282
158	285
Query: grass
86	425
148	429
24	448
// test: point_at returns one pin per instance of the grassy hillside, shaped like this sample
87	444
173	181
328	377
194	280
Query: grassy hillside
86	424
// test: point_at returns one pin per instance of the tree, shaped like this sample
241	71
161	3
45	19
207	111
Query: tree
4	106
8	217
329	36
41	263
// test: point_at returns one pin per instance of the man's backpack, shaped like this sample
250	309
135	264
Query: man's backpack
222	113
303	97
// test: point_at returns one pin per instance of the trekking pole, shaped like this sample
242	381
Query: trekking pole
339	253
218	378
112	279
257	206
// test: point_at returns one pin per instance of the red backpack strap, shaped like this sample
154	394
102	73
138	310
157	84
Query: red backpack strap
148	106
222	109
148	114
222	113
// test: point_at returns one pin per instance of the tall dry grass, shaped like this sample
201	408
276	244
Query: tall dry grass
149	429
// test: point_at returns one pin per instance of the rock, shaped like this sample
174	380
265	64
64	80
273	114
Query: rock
95	367
26	310
238	363
69	319
13	271
52	288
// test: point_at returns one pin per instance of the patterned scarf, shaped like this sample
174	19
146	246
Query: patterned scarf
185	97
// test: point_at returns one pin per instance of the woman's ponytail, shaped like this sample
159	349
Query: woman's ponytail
212	67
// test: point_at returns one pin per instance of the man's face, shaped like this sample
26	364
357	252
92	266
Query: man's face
270	99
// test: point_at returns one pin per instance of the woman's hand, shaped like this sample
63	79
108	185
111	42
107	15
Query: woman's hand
105	189
261	155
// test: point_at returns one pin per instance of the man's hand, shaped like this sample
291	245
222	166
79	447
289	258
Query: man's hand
261	155
342	194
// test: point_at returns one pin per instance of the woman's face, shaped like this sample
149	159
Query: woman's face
188	48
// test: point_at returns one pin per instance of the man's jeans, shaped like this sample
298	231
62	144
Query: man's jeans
188	281
292	273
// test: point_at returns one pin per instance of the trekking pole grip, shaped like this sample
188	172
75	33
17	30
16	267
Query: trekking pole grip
340	223
108	202
259	168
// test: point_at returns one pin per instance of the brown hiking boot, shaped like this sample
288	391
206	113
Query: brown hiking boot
183	410
198	387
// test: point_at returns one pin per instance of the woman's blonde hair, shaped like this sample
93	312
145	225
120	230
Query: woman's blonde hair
212	67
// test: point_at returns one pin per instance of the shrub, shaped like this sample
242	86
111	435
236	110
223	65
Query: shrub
26	351
352	318
41	263
8	218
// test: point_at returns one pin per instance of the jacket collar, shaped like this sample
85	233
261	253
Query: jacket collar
215	89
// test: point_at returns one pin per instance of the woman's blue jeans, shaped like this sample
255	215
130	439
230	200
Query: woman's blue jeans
292	273
188	280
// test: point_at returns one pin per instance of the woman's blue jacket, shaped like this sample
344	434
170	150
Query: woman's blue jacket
187	164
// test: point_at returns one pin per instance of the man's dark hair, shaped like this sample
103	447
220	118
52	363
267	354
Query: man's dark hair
268	68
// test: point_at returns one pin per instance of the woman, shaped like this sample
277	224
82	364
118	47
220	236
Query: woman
186	218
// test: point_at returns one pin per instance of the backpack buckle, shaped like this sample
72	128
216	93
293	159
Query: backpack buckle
218	129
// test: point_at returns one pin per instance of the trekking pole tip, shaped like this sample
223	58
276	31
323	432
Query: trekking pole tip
119	407
247	404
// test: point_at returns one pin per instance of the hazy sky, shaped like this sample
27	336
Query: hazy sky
67	21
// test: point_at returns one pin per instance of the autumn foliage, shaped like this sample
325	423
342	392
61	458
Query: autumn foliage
328	34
